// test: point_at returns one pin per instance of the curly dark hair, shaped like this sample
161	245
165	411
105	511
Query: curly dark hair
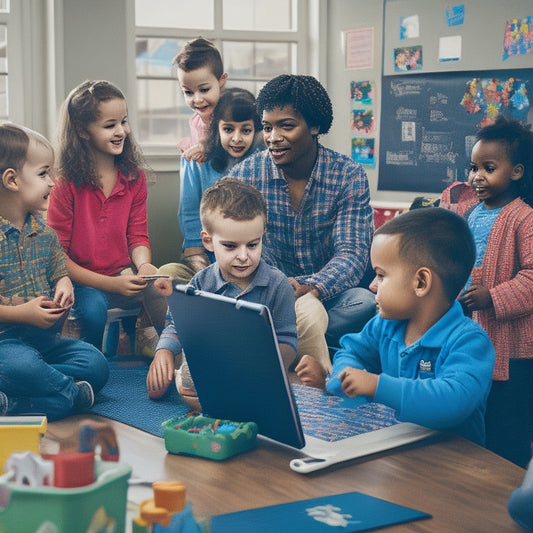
76	162
518	140
235	105
304	93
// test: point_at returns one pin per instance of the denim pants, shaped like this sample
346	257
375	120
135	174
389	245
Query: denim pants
348	312
39	368
91	305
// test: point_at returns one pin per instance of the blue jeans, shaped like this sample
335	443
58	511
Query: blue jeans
38	370
348	312
91	305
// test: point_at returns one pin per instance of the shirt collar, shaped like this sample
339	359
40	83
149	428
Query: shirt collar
261	278
32	225
437	334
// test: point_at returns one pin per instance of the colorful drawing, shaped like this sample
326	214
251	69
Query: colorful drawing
362	120
518	37
361	93
491	96
363	151
407	58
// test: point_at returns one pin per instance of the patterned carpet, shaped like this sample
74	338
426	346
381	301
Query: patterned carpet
125	399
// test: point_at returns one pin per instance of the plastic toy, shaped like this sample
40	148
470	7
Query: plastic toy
20	434
167	512
208	437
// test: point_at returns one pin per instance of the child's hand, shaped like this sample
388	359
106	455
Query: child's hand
41	312
195	153
476	297
160	373
164	286
311	372
147	269
357	382
64	293
128	285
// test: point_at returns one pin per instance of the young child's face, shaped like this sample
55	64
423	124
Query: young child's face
492	173
107	133
201	89
394	279
236	137
237	247
33	180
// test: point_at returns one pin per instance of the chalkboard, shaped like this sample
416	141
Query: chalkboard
428	123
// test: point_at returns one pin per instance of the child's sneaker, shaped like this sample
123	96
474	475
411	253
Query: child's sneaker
186	388
3	404
85	398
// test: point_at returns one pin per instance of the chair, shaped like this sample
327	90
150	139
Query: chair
112	329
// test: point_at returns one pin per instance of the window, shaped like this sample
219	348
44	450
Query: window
4	19
258	40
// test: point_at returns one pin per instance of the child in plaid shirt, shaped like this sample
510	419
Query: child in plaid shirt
40	371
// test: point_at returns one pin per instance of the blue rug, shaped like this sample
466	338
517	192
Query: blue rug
125	399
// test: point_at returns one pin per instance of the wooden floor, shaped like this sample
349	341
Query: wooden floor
463	486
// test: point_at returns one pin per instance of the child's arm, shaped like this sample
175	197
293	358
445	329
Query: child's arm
195	153
40	312
357	382
160	373
288	355
127	285
64	292
476	297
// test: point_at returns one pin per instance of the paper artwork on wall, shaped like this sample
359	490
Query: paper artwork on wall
490	96
359	48
408	58
455	15
363	151
450	48
362	103
409	27
518	37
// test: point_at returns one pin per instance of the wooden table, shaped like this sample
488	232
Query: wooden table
463	486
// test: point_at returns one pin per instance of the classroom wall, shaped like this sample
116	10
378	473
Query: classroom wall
89	45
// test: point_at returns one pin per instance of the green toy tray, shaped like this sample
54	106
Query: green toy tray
208	437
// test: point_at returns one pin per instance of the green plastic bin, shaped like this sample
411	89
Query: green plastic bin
25	509
208	437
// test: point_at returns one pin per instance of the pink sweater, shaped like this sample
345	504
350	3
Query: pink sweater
507	271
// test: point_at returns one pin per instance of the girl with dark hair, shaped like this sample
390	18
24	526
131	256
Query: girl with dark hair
233	135
500	294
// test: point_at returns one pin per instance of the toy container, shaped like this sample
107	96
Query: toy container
208	437
100	506
20	434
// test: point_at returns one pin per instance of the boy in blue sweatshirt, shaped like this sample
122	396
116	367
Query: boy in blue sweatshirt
420	355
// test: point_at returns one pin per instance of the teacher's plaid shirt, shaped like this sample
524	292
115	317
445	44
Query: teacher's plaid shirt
326	242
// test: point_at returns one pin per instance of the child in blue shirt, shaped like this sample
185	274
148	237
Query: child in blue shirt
420	355
233	216
234	134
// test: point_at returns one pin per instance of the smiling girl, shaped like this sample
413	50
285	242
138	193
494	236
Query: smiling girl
234	135
500	295
98	209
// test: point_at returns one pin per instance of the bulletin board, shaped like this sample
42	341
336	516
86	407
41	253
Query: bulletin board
434	97
428	122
